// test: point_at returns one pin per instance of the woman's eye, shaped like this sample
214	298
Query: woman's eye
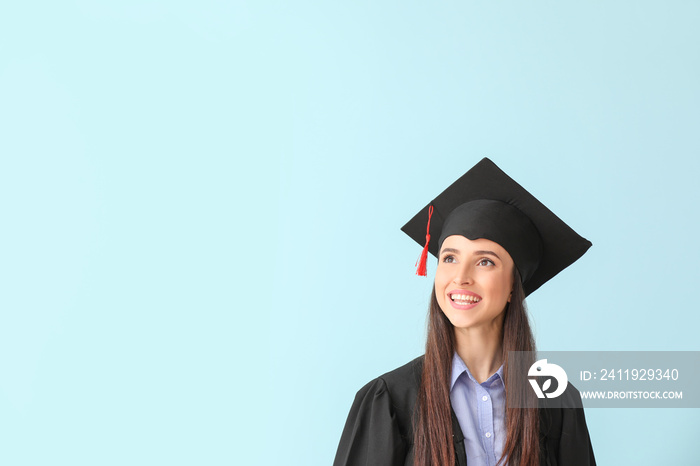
448	259
485	262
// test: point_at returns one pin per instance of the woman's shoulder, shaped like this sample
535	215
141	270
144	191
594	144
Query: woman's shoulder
400	386
404	377
379	429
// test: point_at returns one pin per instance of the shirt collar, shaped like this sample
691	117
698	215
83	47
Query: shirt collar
458	368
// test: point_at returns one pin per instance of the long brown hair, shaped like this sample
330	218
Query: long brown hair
432	431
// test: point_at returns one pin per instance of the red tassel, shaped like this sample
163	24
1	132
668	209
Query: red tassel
423	261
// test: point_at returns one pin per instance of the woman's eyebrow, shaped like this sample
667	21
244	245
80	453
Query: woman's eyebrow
475	253
488	253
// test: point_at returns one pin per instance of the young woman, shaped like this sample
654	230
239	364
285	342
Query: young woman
461	403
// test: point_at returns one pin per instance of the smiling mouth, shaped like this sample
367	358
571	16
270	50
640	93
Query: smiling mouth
464	299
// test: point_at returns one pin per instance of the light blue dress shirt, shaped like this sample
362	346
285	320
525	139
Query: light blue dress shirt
480	410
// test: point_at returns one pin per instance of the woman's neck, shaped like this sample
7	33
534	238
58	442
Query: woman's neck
481	349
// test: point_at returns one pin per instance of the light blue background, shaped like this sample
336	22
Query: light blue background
201	260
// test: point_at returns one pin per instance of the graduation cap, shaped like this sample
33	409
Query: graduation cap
487	203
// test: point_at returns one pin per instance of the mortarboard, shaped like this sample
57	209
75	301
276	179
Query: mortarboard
487	203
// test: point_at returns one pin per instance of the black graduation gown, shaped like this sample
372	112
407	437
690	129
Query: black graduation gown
378	431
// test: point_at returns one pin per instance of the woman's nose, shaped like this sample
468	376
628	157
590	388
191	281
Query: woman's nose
464	276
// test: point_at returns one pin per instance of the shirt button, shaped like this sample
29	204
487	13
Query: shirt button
488	434
484	397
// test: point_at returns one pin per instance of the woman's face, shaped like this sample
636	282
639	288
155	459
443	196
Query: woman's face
473	281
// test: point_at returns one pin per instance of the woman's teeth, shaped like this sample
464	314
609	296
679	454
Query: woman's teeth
464	298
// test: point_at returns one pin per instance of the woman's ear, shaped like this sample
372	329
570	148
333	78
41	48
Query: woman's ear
510	295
